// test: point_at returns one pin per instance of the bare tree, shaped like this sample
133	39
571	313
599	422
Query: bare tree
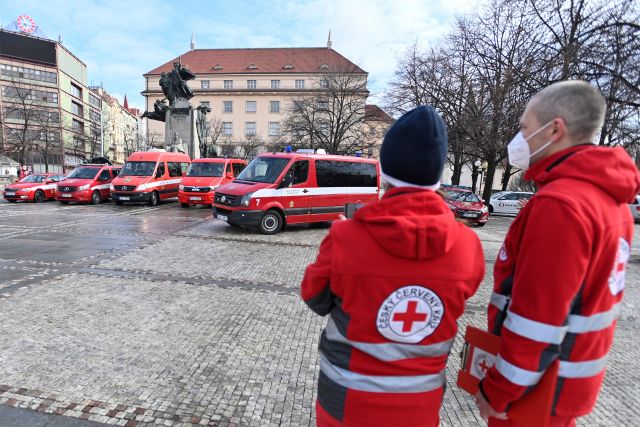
213	129
50	141
333	118
251	147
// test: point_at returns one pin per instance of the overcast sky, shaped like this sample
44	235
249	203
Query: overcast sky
121	40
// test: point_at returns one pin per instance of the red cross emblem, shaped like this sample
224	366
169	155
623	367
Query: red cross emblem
484	366
410	316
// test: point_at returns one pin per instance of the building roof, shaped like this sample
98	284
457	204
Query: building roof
261	61
376	114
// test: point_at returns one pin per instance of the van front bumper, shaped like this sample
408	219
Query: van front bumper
238	217
130	197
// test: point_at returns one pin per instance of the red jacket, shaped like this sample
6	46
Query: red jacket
394	281
559	278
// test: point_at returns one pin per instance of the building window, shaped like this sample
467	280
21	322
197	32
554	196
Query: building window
274	128
324	83
323	105
251	84
227	106
94	116
274	106
28	73
227	128
251	107
299	84
275	84
76	108
228	84
76	91
30	94
250	128
204	84
77	125
95	101
204	103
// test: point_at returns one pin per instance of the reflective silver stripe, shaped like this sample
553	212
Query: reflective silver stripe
390	351
517	375
585	369
381	384
595	322
533	330
499	301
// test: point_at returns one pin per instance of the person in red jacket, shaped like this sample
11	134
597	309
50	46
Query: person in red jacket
559	277
394	281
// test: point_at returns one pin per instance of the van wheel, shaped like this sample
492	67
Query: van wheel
185	205
153	199
95	198
39	196
270	223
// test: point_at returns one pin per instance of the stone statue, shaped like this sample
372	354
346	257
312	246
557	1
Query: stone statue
174	84
159	111
176	145
202	127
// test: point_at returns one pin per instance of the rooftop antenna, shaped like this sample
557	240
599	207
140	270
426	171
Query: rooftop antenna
60	38
193	43
329	43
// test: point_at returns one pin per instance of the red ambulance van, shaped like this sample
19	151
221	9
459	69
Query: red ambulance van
277	189
87	184
204	176
149	176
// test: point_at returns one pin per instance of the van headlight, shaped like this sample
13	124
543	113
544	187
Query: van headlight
246	199
111	187
180	187
83	187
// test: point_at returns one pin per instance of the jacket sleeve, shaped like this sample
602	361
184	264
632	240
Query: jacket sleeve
316	287
551	265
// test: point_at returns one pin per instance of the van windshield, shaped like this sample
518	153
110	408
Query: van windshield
138	169
263	169
205	169
83	173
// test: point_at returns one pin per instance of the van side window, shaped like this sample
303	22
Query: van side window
332	173
115	172
161	169
237	168
104	175
175	169
300	172
184	166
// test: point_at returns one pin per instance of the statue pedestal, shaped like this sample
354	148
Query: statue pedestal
180	125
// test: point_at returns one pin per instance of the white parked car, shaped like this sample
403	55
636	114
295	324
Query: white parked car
635	208
508	202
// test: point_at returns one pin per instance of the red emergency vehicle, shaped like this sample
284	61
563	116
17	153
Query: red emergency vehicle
149	176
36	187
277	189
204	176
87	184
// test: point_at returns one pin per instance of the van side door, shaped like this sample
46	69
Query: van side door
295	192
103	178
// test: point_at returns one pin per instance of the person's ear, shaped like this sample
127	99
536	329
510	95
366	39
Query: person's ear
558	129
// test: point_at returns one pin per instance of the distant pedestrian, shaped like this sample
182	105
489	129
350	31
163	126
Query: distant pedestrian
394	280
560	275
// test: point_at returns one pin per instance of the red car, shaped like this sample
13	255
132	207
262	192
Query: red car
204	176
36	187
87	184
466	205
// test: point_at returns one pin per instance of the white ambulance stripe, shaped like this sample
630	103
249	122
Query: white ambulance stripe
584	369
311	191
157	183
390	351
45	187
381	384
595	322
517	375
534	330
499	301
102	187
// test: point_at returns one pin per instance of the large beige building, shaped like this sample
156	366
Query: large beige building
251	91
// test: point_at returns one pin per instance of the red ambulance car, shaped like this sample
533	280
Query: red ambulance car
204	176
36	187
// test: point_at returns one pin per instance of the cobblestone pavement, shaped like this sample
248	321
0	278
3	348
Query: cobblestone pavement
162	316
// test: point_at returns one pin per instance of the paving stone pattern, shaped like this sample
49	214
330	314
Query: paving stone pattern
163	316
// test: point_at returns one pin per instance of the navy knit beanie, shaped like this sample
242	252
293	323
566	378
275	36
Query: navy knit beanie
414	150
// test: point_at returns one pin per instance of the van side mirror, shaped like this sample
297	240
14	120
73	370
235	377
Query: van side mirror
286	181
229	175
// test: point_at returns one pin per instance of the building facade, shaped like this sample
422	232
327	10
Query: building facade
251	92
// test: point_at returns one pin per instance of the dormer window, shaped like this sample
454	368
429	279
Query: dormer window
288	67
217	67
252	67
324	66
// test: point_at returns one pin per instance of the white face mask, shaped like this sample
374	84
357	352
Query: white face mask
519	151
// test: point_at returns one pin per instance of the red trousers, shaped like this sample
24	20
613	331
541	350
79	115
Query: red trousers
555	422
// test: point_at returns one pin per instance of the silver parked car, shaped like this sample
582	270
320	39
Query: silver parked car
635	208
508	202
